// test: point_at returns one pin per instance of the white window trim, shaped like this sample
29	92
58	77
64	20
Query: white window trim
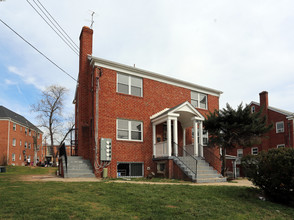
129	130
278	131
14	142
129	164
13	157
280	145
129	84
252	109
252	149
239	150
198	100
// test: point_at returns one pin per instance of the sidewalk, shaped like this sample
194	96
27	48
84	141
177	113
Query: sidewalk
45	178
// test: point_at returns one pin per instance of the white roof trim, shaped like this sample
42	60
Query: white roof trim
95	61
274	109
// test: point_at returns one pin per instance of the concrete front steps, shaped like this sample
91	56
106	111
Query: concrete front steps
205	173
77	167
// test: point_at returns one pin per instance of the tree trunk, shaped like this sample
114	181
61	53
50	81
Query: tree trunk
224	164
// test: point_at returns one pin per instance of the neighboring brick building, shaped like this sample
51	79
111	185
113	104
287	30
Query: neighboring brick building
280	136
147	117
17	139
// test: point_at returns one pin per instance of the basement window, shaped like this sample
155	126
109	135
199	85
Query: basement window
129	169
280	145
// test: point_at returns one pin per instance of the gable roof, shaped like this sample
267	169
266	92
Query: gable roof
284	112
5	113
96	61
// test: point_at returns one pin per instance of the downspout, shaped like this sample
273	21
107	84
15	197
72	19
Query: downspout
8	140
96	113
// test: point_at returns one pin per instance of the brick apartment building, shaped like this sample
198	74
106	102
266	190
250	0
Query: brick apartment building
280	136
17	145
145	118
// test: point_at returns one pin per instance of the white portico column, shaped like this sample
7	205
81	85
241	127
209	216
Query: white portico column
169	137
201	138
195	138
184	141
154	140
175	123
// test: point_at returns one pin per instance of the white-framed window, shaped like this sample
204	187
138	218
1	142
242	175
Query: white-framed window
26	144
20	143
280	127
130	85
125	169
199	100
129	130
280	145
13	157
29	145
254	150
30	132
252	109
38	135
14	126
13	142
204	136
26	131
240	153
20	128
19	158
161	167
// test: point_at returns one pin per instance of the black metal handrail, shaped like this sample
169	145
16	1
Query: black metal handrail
187	155
211	155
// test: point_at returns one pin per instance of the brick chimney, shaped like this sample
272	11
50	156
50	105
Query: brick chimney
263	100
84	98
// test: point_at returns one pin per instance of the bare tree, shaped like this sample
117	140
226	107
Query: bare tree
49	109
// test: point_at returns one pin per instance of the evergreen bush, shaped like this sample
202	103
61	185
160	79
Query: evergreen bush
273	172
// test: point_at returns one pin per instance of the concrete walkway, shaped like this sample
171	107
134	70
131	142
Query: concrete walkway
45	178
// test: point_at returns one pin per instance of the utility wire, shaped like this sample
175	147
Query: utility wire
38	50
59	25
73	49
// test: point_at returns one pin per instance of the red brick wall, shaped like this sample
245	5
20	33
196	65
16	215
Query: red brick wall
112	105
18	134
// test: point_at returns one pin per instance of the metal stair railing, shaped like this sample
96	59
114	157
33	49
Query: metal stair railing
181	151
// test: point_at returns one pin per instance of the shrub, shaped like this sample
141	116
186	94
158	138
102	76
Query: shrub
273	172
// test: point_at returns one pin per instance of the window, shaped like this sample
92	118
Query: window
204	136
26	131
129	169
26	144
129	84
252	109
280	145
198	100
29	145
13	157
14	126
240	153
161	167
254	150
19	157
20	143
129	130
20	128
13	142
30	133
280	127
38	136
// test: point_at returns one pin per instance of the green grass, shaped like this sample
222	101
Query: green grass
110	200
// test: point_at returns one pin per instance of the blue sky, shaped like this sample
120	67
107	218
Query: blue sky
238	47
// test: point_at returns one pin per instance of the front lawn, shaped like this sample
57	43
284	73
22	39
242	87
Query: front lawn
110	200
